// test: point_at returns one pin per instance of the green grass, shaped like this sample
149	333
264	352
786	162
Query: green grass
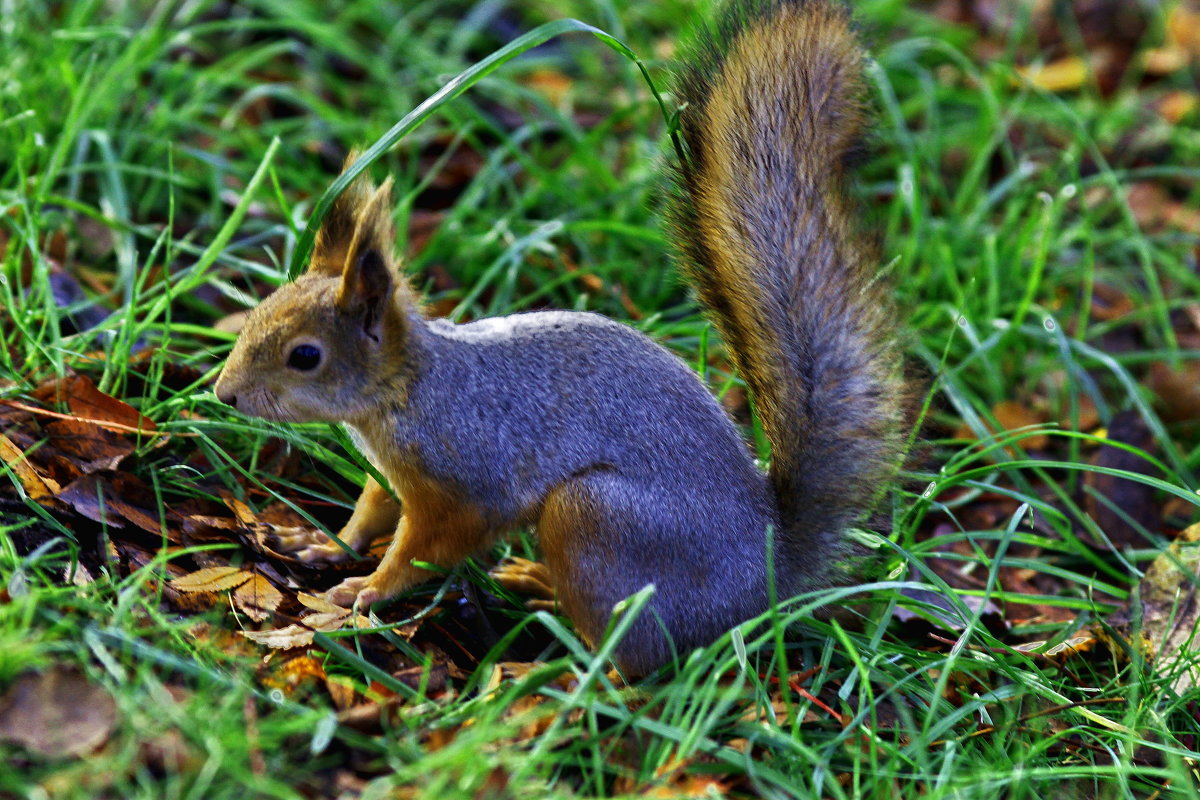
168	155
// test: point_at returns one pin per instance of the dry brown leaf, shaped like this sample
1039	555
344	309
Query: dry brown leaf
90	446
212	579
1087	419
1170	613
110	499
341	691
1013	415
327	621
1165	60
92	405
1109	303
282	638
1154	209
257	597
232	323
88	402
243	512
320	604
57	713
1177	389
495	786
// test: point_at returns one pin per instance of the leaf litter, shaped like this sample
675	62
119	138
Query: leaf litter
73	450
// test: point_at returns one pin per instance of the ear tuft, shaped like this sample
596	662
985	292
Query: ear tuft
334	239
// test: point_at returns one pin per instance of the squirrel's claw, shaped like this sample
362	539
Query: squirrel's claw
529	578
309	545
352	590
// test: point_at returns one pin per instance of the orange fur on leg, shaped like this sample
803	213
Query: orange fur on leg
436	527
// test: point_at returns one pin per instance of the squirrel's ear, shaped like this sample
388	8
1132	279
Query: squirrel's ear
367	289
368	278
332	245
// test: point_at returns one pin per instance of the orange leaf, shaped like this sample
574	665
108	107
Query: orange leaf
1177	104
87	402
240	510
1012	415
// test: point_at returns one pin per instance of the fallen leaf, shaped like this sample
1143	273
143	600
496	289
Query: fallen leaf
88	403
320	604
212	579
326	621
1169	612
341	691
1012	415
38	488
1177	390
1183	28
57	713
289	674
232	323
550	82
1057	76
1087	419
1109	303
91	447
243	512
282	638
1154	209
1165	60
104	499
257	597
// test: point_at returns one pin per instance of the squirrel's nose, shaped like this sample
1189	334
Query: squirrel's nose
228	398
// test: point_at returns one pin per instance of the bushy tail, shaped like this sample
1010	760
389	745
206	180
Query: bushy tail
773	111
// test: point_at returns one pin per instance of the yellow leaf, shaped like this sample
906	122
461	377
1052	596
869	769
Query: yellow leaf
1183	28
258	598
1058	76
211	579
37	487
320	604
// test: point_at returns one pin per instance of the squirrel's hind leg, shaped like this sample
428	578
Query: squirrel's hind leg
593	534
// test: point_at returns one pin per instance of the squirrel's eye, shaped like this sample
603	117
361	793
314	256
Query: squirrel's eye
304	357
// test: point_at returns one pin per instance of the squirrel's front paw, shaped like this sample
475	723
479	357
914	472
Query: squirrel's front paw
309	545
352	590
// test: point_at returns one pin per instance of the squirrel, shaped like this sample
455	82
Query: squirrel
607	444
